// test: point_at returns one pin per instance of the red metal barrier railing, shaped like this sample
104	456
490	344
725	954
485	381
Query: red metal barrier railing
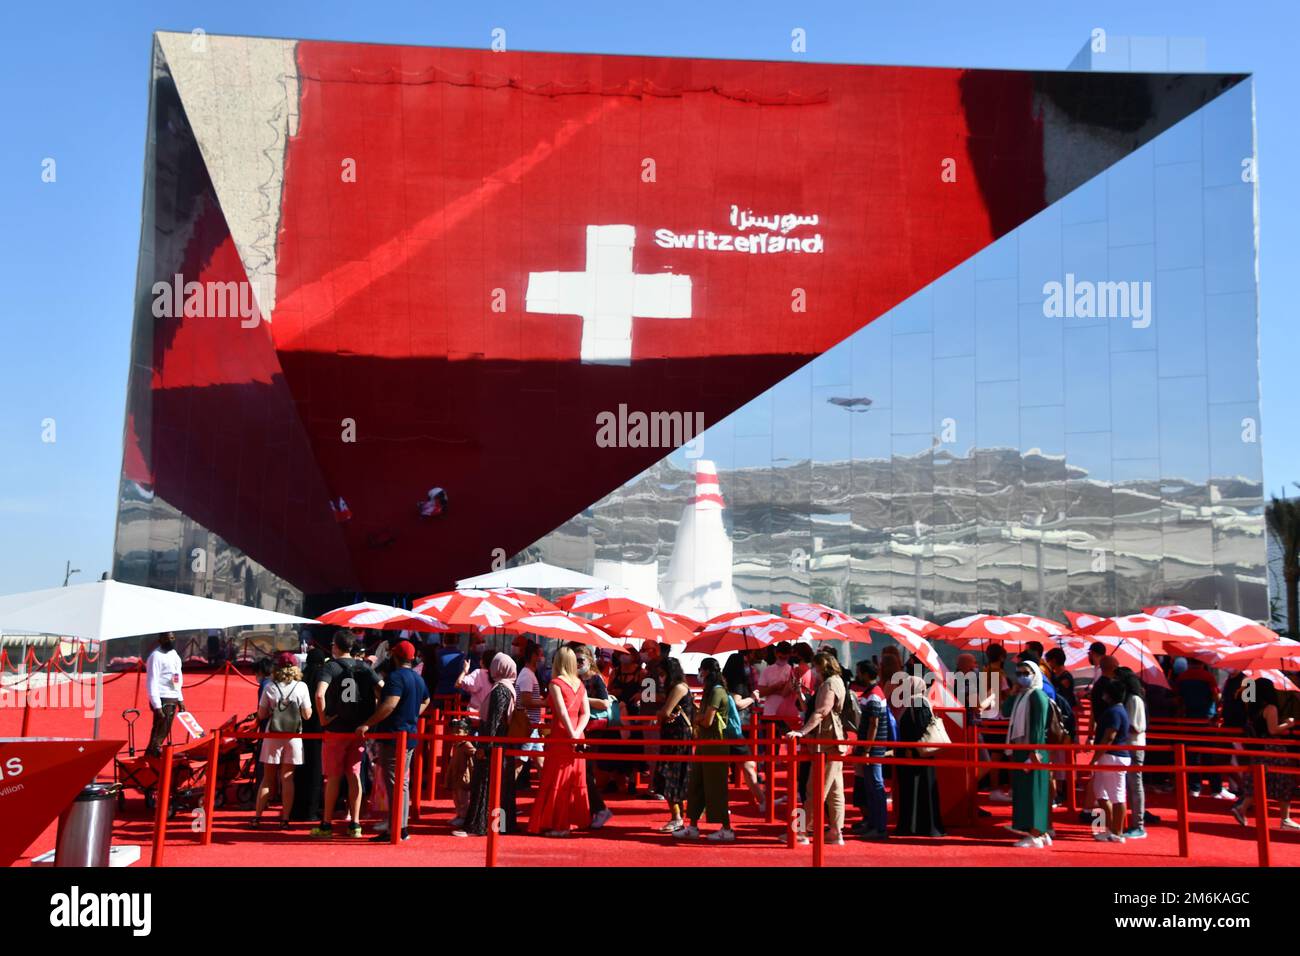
772	756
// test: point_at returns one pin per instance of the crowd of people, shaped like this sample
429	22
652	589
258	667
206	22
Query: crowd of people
573	710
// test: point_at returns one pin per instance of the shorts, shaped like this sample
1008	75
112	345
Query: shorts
341	755
1109	784
282	751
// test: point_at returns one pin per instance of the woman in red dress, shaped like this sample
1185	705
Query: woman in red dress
562	795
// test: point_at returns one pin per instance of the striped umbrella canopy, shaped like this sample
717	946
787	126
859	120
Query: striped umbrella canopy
1129	653
1280	653
851	629
598	601
1230	627
980	630
561	627
752	629
904	629
1147	629
647	624
1280	680
534	603
381	617
1165	610
471	607
1043	624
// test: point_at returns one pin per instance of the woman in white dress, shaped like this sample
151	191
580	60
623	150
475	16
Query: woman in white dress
284	705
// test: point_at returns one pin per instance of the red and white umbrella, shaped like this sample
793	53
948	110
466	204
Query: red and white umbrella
1127	652
381	617
533	603
1079	620
1230	627
1280	680
980	630
1280	653
647	624
471	607
1208	650
1165	610
598	601
904	629
751	629
1044	625
562	627
1150	631
851	628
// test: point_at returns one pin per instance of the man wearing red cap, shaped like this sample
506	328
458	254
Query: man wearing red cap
405	697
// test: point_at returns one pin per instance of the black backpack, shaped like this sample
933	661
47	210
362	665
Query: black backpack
851	712
350	697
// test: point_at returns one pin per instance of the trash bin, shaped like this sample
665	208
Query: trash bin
86	828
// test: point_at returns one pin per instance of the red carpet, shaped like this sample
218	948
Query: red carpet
629	839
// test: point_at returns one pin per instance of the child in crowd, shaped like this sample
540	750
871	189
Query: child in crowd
460	765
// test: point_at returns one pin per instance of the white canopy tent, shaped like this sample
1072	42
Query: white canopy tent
530	577
106	610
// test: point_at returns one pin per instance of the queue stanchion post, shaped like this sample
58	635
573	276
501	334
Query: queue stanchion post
139	673
27	707
818	780
1072	782
769	769
434	742
210	787
1180	801
162	805
415	786
225	685
496	816
791	791
398	790
1260	778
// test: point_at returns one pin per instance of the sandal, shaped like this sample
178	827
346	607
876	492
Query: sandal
671	826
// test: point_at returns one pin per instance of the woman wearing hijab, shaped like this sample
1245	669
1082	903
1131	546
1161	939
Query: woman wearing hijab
1030	794
1262	720
501	704
918	787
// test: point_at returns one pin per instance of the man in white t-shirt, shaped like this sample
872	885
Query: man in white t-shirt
164	678
529	689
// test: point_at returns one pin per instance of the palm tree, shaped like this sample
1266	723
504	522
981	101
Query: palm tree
1283	518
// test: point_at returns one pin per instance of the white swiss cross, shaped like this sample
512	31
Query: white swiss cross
608	295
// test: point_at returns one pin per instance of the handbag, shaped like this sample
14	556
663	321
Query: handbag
935	733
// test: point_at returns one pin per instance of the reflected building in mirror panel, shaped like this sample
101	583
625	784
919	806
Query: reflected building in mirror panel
1070	419
951	339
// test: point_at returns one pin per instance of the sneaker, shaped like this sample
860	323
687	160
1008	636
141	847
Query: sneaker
1225	794
1047	839
875	835
381	837
1194	791
355	831
1030	841
459	833
687	831
1135	833
322	831
1239	816
601	818
725	835
1149	818
802	839
1289	824
1102	836
1114	838
456	823
835	838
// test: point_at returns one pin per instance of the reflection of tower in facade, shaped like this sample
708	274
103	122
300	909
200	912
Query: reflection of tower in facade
699	571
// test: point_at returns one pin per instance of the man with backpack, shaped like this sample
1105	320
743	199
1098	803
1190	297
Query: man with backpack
346	693
876	723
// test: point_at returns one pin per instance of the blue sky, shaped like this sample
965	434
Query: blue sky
74	82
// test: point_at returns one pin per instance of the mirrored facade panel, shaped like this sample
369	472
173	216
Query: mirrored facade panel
1069	420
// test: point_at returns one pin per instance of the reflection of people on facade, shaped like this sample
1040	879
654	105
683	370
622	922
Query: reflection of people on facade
163	675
